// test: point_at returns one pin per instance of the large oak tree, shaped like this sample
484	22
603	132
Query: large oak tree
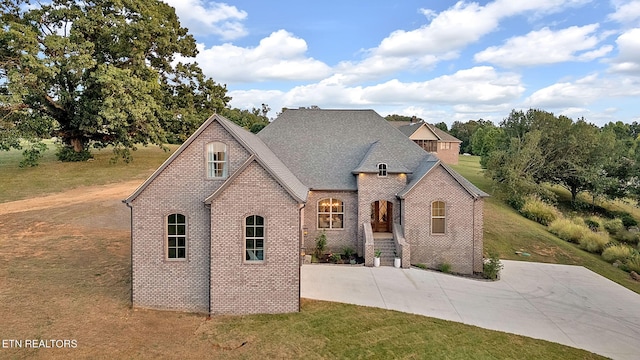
98	73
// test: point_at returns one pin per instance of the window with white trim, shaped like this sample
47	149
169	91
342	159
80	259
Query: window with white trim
216	160
254	238
330	214
382	169
438	217
176	236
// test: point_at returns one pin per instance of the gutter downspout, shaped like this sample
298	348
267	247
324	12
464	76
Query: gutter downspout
473	238
300	242
209	257
131	250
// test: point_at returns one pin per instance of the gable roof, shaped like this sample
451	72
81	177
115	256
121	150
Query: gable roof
324	147
441	135
258	150
428	165
378	154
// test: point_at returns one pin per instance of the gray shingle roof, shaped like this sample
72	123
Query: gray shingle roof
267	158
323	147
427	165
377	154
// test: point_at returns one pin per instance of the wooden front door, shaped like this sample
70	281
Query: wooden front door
381	216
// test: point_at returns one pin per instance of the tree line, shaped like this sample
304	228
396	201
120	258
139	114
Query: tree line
529	149
102	73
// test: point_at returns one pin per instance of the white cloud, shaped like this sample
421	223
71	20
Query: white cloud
461	25
626	11
205	18
481	87
628	60
546	47
446	33
280	56
583	92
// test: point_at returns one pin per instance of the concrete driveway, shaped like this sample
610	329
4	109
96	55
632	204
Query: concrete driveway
565	304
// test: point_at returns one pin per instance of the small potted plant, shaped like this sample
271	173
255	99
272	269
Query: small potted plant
396	260
376	258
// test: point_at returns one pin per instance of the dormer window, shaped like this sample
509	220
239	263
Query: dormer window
382	170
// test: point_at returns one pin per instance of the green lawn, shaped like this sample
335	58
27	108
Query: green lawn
55	176
506	231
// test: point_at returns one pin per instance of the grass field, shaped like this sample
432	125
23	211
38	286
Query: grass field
64	274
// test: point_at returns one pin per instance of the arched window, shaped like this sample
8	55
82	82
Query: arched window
176	236
438	217
216	160
330	214
254	238
382	169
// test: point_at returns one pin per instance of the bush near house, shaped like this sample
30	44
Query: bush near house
613	226
617	253
539	211
568	230
594	242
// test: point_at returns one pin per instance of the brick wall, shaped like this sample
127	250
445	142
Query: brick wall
461	245
272	286
336	238
449	156
180	188
372	188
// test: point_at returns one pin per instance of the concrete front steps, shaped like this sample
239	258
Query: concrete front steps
384	242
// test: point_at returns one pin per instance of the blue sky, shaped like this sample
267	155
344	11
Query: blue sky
438	60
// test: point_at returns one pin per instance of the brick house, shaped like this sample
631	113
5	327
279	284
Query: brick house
220	226
440	143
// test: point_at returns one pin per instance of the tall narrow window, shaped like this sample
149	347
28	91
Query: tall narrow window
176	236
438	217
216	160
330	214
382	169
254	238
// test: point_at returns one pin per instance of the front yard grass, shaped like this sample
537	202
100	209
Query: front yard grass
52	175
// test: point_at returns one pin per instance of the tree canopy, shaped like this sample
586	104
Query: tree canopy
98	73
536	147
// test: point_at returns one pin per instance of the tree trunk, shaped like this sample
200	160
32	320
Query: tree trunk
574	193
77	144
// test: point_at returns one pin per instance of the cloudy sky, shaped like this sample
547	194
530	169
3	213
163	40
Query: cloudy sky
439	60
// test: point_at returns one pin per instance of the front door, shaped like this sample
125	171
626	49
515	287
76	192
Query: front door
381	216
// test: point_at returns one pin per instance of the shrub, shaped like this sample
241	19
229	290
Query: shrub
321	245
594	242
593	222
444	267
32	155
627	236
421	266
616	252
633	263
628	220
348	252
516	201
66	153
539	211
613	226
568	230
335	258
492	266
